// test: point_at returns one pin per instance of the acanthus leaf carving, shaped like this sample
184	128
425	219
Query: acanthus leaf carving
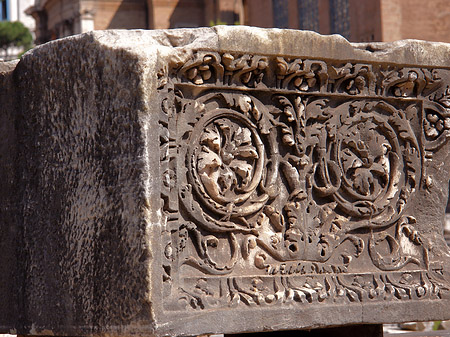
301	75
354	79
294	174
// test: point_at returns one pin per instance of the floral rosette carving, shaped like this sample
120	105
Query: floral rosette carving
227	163
436	121
366	156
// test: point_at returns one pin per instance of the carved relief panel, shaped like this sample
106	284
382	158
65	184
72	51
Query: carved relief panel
294	181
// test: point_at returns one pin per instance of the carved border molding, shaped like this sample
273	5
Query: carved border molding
207	293
318	77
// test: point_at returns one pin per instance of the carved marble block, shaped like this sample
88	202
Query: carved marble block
230	180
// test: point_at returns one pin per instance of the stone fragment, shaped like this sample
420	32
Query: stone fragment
224	180
417	326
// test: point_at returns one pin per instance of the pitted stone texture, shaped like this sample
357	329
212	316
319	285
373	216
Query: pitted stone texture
9	202
228	180
84	198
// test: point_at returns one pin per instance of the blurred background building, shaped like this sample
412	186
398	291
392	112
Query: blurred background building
14	10
357	20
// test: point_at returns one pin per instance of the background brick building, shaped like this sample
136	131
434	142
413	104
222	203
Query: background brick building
357	20
60	18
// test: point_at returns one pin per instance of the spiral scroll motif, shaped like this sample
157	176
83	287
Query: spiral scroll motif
366	163
227	160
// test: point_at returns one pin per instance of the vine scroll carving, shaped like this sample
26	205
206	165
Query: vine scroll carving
290	180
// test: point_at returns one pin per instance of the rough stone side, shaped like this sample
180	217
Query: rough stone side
82	147
10	243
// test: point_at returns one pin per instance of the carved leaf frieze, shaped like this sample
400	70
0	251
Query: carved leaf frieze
206	293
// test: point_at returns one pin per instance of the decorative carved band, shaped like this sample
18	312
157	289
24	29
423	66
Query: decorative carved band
207	293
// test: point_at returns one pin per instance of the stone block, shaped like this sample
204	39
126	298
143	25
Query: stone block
229	180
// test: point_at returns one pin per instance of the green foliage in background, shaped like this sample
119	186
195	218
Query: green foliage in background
436	325
219	22
14	34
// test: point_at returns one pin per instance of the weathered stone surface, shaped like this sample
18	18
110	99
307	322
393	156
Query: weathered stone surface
229	180
9	202
353	330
